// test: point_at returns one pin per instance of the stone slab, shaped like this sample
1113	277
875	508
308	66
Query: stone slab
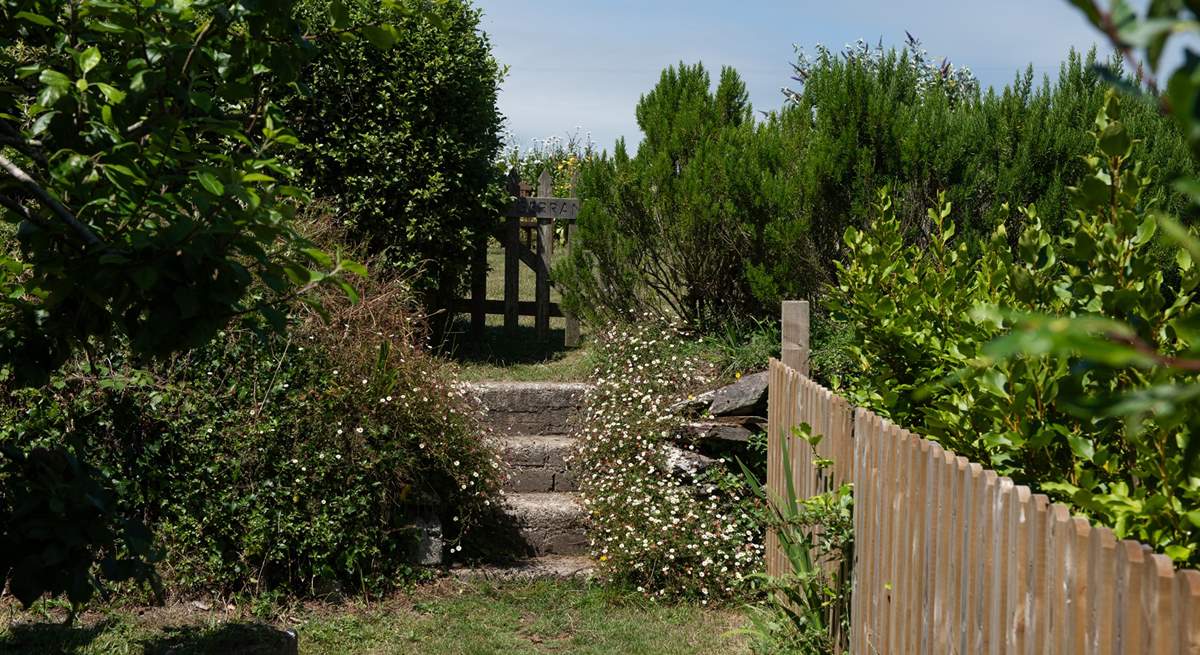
531	408
549	523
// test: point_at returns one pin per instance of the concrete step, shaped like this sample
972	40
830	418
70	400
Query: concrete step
560	567
538	463
548	523
530	408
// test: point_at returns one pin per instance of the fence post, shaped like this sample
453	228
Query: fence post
545	250
571	337
794	350
479	271
512	263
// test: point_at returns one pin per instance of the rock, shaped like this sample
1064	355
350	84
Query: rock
428	549
747	396
718	430
692	406
686	462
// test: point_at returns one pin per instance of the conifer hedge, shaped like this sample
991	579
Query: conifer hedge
718	217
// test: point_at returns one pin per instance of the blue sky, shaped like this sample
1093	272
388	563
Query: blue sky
585	62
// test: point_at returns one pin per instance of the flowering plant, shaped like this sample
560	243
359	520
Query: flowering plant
667	532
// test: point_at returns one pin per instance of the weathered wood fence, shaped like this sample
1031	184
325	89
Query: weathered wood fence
953	558
536	215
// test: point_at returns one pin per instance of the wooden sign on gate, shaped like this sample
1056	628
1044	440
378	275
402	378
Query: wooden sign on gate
552	208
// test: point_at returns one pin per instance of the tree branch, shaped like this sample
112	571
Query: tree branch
1140	345
15	207
50	202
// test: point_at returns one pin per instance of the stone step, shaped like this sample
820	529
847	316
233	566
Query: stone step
530	408
548	523
538	463
560	567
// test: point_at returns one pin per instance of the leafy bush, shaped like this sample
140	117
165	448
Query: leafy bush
143	180
265	461
920	337
146	207
651	525
402	143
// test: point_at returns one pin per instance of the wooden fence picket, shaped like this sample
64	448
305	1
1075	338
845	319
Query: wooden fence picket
952	558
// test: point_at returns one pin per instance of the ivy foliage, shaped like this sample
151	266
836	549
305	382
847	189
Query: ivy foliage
935	353
401	144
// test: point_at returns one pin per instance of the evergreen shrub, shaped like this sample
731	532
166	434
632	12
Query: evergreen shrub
717	216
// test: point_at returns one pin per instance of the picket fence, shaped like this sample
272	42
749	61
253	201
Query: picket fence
951	558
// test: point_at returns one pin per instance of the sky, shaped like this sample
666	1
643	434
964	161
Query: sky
583	64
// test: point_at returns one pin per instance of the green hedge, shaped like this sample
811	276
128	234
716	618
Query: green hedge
402	143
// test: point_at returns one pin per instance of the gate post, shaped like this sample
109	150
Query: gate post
479	270
512	263
571	338
795	347
545	250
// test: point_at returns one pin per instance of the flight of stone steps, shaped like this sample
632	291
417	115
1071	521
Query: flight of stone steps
543	521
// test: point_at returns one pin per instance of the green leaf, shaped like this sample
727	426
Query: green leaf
1082	447
144	277
112	94
353	267
382	37
1141	33
320	257
348	289
211	183
1180	235
1146	230
36	19
54	79
339	14
89	59
1115	141
1089	9
1190	187
42	123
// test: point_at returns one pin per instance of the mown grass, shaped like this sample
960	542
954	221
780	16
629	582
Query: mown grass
459	618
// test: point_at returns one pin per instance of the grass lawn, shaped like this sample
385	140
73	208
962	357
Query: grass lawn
521	357
446	618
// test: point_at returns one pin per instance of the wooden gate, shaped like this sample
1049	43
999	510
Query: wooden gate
537	215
